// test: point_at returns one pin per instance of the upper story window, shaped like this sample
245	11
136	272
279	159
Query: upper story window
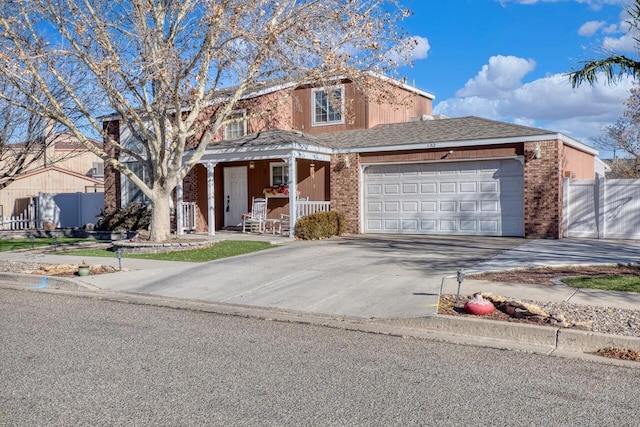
279	174
328	105
238	127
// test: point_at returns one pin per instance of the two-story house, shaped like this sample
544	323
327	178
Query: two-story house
390	168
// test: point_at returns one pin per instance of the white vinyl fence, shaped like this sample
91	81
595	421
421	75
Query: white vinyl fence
602	209
28	219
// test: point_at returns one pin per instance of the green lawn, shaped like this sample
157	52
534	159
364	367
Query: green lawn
17	244
224	249
626	283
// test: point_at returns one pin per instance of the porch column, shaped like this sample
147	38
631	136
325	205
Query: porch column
179	213
211	167
293	198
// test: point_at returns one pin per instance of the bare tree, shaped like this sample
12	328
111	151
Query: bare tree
623	138
161	65
24	138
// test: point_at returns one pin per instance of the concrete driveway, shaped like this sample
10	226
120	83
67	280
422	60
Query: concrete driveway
359	276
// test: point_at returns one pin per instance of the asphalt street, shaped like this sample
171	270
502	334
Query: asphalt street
66	360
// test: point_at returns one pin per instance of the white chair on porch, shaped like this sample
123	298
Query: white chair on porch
254	221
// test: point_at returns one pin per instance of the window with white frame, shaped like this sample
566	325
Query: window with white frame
131	193
279	174
238	127
328	105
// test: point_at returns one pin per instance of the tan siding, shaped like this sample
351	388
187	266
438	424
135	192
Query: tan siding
47	182
577	164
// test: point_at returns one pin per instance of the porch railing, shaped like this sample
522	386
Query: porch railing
188	216
307	208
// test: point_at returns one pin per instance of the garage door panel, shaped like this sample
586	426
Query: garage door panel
489	226
392	189
429	225
392	225
469	206
469	226
374	207
391	206
448	169
375	225
429	188
448	187
447	225
428	206
474	198
447	206
469	187
410	188
489	206
410	225
410	207
489	187
374	189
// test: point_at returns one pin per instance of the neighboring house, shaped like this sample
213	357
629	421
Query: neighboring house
65	167
388	169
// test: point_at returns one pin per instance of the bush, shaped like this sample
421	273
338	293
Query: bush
320	225
133	217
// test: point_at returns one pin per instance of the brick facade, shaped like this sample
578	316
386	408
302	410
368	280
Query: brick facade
345	189
543	190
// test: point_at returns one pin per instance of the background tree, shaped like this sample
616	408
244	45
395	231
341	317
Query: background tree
160	65
623	138
25	138
614	67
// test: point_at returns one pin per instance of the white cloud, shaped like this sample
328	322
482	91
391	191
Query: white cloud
591	3
549	102
501	75
626	43
409	50
590	28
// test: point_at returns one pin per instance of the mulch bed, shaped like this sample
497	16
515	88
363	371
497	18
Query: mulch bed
543	276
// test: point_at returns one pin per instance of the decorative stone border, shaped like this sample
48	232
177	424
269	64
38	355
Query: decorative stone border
139	247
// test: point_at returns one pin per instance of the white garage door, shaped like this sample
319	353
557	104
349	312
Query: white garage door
467	198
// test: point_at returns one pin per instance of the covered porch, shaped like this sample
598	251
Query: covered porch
288	169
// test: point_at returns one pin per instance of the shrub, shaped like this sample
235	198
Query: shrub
133	217
320	225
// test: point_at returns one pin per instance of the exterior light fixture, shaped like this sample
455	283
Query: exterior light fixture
346	162
252	165
119	255
460	278
537	153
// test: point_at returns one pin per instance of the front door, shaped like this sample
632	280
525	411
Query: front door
235	195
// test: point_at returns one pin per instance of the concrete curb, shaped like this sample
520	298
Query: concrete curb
545	340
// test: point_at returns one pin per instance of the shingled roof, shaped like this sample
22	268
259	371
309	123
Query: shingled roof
268	138
429	131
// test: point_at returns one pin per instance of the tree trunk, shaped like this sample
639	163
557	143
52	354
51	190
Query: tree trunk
161	215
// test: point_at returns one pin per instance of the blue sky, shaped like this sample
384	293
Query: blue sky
506	60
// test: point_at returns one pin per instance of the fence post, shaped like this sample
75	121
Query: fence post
601	202
565	207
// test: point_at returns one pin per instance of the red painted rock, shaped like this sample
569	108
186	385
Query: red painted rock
478	306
